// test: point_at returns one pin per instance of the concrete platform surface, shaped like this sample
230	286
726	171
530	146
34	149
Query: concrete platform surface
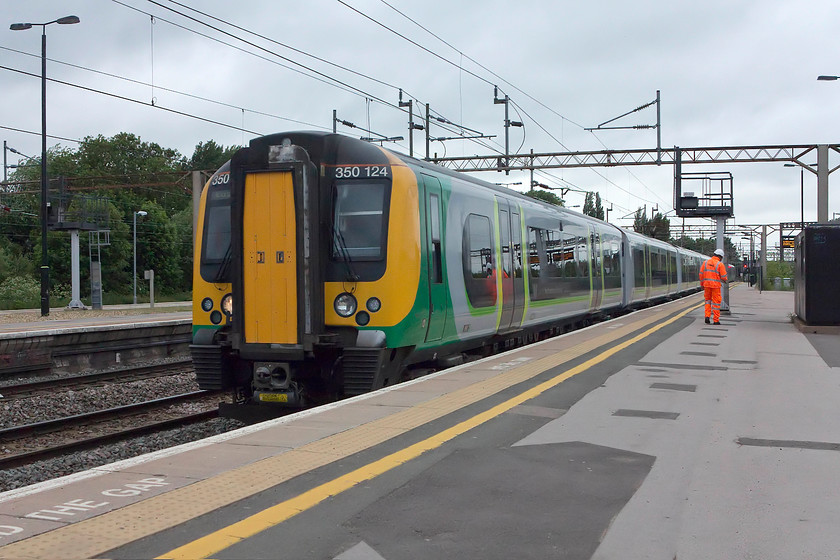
649	436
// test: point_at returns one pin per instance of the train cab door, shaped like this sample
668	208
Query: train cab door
269	259
596	264
434	258
508	297
648	275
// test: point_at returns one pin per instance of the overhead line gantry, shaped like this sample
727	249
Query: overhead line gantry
798	154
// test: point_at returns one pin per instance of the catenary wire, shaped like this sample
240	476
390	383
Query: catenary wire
500	78
124	98
158	87
326	78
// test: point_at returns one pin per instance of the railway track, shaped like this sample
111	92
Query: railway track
21	445
122	375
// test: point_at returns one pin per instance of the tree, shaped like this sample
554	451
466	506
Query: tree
589	204
640	221
592	205
658	227
131	175
209	156
599	208
159	249
545	196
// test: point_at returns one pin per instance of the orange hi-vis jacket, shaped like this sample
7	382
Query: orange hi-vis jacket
712	273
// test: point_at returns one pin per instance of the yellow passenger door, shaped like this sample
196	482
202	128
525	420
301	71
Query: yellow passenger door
269	259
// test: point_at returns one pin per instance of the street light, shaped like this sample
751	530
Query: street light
140	213
45	263
827	78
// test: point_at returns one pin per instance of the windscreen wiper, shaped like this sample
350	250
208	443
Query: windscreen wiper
345	255
221	274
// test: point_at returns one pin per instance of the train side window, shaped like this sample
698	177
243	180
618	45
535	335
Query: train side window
555	250
582	252
536	258
558	264
673	259
479	263
516	230
535	252
612	262
658	268
639	267
504	234
597	254
570	264
437	268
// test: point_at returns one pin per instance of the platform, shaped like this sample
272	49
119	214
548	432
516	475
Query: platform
82	341
649	436
62	321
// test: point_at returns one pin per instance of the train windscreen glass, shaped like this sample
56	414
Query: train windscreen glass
216	243
359	221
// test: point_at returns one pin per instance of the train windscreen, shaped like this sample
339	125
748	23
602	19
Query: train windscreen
359	221
215	245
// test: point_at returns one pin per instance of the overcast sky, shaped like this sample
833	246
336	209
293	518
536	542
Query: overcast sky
730	74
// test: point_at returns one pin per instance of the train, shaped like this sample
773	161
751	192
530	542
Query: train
327	267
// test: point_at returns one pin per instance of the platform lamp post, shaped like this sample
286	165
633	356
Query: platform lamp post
45	263
140	213
801	193
801	190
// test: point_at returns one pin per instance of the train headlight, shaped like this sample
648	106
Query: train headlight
207	304
362	318
227	305
345	304
373	305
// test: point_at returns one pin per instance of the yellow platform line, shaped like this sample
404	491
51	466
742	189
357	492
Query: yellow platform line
111	530
274	515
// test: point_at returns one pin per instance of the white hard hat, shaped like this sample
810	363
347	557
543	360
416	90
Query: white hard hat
719	252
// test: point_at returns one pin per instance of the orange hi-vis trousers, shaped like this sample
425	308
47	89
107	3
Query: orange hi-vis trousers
713	299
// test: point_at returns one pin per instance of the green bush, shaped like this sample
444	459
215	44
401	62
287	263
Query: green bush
24	292
20	292
777	269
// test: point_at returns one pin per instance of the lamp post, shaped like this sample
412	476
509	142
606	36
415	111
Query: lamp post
140	213
801	193
801	189
45	264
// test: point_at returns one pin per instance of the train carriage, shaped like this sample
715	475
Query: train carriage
327	267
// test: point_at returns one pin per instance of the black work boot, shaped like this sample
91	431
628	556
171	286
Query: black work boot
716	323
708	320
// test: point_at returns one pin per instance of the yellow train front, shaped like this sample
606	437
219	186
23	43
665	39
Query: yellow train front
297	284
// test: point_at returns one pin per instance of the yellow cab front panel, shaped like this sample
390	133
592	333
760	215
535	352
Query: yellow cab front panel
269	259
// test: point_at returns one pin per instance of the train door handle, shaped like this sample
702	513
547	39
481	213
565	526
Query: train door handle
281	257
260	257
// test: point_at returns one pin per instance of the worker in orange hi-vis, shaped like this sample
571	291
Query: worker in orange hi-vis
712	277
